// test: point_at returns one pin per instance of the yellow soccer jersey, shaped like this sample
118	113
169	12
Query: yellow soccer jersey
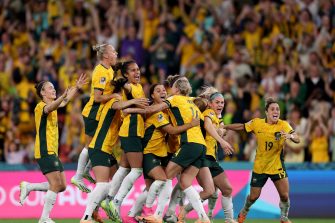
101	79
182	110
133	124
210	141
154	138
106	134
269	154
46	132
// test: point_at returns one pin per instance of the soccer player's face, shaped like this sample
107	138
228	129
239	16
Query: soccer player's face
159	94
133	73
111	55
48	91
273	113
217	105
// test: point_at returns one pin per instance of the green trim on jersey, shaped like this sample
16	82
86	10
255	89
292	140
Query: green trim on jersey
180	122
148	135
94	110
43	135
133	125
104	129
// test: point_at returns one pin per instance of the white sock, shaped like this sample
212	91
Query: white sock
137	208
175	198
126	185
49	201
227	206
284	209
115	183
211	203
154	189
94	198
163	198
44	186
88	167
194	198
82	161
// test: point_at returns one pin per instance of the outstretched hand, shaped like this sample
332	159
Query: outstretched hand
83	80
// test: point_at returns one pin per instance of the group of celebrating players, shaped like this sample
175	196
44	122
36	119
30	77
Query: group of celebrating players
162	138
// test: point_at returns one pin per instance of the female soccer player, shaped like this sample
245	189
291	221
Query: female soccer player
101	92
131	134
46	145
155	156
212	117
100	149
271	134
191	154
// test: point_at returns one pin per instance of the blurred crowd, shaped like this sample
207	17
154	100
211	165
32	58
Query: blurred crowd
249	50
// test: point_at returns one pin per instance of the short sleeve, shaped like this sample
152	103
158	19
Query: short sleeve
99	80
161	120
209	113
250	126
170	101
287	127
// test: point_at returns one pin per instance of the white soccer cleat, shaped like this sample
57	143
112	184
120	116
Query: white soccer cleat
47	220
80	184
88	177
23	192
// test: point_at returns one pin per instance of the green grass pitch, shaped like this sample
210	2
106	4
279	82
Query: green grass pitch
189	221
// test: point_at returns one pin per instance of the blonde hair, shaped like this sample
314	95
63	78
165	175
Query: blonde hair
100	49
210	93
201	103
181	83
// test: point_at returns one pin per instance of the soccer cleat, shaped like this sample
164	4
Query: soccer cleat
80	184
170	218
145	213
47	220
96	217
23	192
153	219
111	210
181	215
88	177
285	221
128	219
241	217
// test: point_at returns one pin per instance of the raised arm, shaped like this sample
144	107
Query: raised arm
175	130
73	90
55	104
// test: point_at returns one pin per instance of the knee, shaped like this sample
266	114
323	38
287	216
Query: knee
284	197
227	191
183	185
61	187
208	192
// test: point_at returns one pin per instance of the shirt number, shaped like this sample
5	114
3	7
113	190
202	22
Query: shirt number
194	112
268	146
